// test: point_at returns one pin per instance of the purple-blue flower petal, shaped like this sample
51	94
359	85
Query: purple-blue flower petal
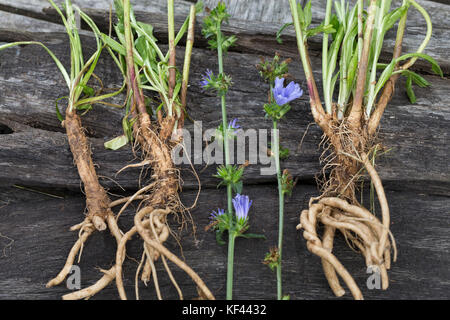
215	214
206	78
241	205
286	94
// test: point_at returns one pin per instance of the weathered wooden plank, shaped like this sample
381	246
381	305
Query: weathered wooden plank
34	152
20	22
258	37
252	10
417	134
41	242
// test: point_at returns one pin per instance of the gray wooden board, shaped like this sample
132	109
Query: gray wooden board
34	153
256	23
416	134
39	227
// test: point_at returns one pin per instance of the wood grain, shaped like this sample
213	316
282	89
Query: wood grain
34	154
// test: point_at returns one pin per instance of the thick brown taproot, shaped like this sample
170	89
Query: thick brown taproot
97	201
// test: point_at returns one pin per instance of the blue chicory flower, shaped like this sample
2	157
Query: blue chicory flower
286	94
232	125
241	205
206	78
215	214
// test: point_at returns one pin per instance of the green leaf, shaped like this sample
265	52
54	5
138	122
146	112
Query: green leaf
390	19
301	16
409	90
333	81
284	153
278	35
148	29
352	67
384	77
434	65
219	237
116	143
118	6
237	187
381	65
127	126
95	99
199	6
321	28
308	14
416	78
177	89
88	91
141	46
58	113
253	236
419	80
114	45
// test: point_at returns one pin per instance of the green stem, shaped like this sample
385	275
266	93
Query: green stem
172	63
276	151
378	35
231	238
325	59
187	56
427	36
316	105
222	100
356	111
229	200
227	163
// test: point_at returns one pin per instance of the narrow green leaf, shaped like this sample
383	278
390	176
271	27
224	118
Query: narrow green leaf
434	65
92	100
409	90
307	14
390	19
148	29
384	77
320	29
84	107
237	187
301	16
114	45
278	35
219	237
252	236
58	113
416	78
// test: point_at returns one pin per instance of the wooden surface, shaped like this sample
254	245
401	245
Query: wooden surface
34	154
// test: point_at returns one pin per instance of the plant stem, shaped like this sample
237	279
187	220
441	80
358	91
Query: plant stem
132	80
326	94
223	102
231	238
314	99
378	39
187	63
390	84
227	163
356	111
276	152
172	62
427	36
360	27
